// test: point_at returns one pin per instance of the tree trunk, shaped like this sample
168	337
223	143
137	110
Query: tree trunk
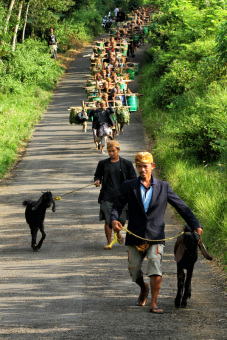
32	32
9	15
17	25
25	22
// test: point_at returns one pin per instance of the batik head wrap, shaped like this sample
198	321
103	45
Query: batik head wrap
113	143
144	157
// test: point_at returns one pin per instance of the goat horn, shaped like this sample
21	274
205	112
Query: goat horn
203	250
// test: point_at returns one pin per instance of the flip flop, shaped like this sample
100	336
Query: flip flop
108	247
120	240
142	300
157	310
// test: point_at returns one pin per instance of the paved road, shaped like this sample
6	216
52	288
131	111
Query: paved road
72	288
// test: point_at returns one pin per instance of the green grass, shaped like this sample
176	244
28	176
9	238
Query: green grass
201	184
187	129
18	116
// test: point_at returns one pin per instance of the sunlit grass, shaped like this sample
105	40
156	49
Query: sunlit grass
200	183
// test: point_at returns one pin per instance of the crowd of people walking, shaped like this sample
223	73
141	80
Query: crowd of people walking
109	98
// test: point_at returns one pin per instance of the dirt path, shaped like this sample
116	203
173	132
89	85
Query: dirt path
72	288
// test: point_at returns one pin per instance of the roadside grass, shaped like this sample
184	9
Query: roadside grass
19	114
200	183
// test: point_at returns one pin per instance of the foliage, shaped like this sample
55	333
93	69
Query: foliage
30	65
80	26
221	40
45	13
184	106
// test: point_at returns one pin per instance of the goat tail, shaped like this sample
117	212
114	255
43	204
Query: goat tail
203	251
25	203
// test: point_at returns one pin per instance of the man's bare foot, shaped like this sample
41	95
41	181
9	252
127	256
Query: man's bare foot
142	299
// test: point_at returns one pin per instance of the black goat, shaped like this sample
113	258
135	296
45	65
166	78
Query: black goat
186	254
35	214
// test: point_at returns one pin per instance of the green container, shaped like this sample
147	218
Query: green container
133	102
131	72
145	30
100	43
96	99
136	38
125	52
123	86
124	47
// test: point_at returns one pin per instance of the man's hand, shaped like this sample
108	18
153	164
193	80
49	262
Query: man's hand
97	183
199	231
117	226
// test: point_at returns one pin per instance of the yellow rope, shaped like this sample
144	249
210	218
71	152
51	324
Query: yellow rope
144	239
58	198
114	241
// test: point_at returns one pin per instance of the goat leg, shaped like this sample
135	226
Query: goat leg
34	236
180	285
43	237
187	287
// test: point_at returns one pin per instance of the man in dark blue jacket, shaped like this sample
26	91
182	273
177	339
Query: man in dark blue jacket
111	173
147	199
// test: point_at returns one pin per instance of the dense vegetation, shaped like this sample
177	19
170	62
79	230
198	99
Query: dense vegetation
185	104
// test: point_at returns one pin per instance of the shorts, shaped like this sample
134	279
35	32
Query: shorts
105	211
154	255
101	140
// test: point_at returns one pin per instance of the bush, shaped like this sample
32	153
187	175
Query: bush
30	64
184	108
203	138
221	42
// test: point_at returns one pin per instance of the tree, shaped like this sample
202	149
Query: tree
45	13
9	15
17	25
25	21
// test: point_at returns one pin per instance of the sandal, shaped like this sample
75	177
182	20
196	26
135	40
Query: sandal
156	310
108	247
120	240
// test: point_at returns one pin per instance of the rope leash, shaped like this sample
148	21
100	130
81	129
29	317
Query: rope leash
141	238
58	198
145	239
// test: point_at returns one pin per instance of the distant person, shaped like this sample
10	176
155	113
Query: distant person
52	42
104	123
111	173
120	16
94	116
116	12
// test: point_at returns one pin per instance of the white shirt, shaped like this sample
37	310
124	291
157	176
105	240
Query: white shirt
116	11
